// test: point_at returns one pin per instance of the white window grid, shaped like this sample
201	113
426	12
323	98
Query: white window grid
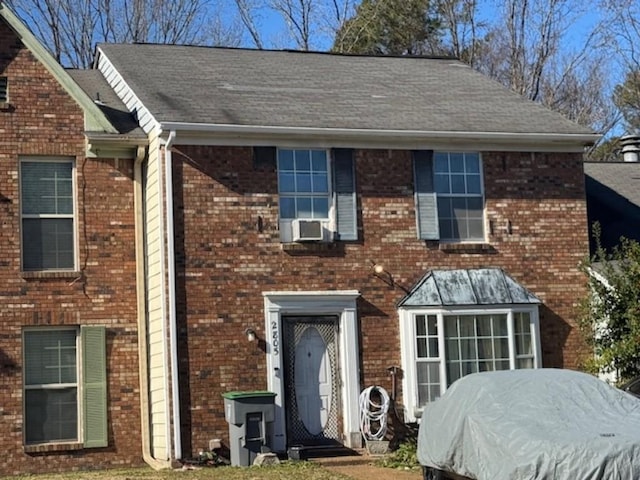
411	360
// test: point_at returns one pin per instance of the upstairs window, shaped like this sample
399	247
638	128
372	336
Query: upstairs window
303	184
48	215
316	192
449	196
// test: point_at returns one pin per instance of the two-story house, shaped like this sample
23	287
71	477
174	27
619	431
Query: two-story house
304	223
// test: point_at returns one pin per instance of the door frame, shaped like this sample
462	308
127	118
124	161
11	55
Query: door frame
341	303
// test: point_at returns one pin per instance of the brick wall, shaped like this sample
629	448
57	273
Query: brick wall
535	208
42	119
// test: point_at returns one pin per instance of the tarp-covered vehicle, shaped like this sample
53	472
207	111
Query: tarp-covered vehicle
545	424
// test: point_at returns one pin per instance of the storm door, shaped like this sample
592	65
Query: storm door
311	380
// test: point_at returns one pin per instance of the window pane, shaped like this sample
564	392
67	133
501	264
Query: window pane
475	229
453	352
467	326
302	161
304	207
50	357
285	159
303	182
320	183
442	183
485	349
524	363
502	364
472	162
474	206
444	208
47	188
287	182
421	348
447	231
500	325
453	372
319	160
474	184
433	347
287	207
468	350
451	326
47	243
320	208
51	415
457	184
441	163
484	325
432	322
456	162
421	326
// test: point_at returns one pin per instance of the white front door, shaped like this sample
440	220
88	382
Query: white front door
311	373
313	382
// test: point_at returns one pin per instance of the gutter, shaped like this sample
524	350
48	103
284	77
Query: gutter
143	355
171	274
266	130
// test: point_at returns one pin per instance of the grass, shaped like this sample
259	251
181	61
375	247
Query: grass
283	471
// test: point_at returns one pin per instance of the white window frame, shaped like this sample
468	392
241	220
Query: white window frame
328	223
77	385
412	409
459	195
73	216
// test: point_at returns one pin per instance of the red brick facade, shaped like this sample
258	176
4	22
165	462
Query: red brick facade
41	119
229	252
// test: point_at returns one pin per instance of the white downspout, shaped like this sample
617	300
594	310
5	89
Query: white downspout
171	274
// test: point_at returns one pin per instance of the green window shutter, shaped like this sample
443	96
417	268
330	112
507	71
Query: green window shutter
94	386
345	192
425	195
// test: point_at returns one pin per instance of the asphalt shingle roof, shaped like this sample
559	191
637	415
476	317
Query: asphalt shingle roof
605	178
318	90
94	85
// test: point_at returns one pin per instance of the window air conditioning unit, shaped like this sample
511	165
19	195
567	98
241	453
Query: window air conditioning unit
306	230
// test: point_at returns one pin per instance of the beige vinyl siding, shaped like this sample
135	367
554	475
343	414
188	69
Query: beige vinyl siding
158	360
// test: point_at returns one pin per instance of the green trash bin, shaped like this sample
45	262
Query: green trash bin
248	414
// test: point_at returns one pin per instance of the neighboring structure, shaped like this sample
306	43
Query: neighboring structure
70	396
613	200
360	215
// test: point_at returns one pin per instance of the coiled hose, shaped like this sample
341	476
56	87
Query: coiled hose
373	415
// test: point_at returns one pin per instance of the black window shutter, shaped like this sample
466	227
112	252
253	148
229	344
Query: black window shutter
425	195
265	159
345	194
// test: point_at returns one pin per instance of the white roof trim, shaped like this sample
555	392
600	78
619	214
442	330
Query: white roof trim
217	133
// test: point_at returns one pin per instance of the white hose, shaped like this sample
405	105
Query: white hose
373	416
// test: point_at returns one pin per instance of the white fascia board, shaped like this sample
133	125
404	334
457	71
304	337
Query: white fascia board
146	120
225	134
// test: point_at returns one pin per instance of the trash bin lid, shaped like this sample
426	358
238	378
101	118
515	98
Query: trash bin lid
247	394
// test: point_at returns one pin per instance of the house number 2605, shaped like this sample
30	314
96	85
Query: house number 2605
275	342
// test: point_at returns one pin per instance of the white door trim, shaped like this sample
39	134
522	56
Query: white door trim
341	303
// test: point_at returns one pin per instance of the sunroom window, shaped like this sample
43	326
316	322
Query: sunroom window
455	323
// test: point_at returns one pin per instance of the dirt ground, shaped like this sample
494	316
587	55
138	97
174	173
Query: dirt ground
364	468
